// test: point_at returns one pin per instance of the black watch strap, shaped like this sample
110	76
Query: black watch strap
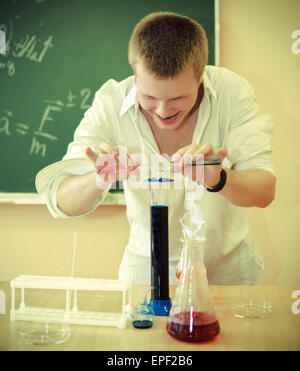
220	185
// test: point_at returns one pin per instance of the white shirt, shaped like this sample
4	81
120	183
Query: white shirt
228	116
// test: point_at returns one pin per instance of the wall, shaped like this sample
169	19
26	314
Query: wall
256	43
33	242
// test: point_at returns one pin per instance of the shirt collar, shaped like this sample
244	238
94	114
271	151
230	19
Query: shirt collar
129	101
208	86
131	98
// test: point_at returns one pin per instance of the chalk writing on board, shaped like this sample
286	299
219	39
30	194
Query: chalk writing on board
31	47
45	131
72	100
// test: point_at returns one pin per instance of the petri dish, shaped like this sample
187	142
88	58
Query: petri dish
251	308
44	333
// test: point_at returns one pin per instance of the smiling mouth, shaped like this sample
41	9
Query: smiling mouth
168	120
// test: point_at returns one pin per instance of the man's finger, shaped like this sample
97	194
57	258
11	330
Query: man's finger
91	154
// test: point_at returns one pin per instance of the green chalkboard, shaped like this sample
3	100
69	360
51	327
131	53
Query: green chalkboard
58	54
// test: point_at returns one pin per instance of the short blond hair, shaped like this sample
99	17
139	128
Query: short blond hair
166	43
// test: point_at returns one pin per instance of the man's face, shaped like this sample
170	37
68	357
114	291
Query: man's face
167	100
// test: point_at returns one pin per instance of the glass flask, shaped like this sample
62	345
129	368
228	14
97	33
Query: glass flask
192	317
142	316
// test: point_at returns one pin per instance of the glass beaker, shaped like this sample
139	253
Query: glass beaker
192	317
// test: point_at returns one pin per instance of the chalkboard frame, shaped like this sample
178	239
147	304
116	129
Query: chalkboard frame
114	198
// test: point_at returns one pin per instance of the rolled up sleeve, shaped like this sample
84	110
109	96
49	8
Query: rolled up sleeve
49	178
248	137
249	145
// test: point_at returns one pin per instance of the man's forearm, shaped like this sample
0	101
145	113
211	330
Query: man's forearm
77	194
254	187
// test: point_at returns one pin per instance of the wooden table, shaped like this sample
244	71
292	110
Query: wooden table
279	331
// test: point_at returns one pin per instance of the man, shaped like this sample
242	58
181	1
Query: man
177	106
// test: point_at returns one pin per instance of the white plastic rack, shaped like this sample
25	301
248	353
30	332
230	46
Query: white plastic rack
68	315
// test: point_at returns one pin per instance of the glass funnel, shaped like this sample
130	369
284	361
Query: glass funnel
192	317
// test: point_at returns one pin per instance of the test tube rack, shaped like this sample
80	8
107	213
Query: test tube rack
69	315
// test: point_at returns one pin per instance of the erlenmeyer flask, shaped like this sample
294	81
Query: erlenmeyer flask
192	317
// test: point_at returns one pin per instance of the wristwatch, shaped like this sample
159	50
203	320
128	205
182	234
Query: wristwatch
218	186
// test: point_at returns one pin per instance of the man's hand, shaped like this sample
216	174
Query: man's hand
195	153
113	163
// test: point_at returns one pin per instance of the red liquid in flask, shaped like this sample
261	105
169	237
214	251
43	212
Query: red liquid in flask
193	327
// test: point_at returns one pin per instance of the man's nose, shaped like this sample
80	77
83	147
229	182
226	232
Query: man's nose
163	109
